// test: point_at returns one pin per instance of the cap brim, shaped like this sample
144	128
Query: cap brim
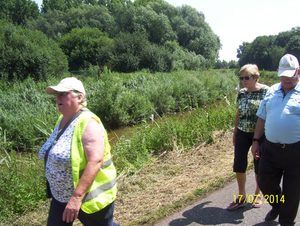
287	73
51	90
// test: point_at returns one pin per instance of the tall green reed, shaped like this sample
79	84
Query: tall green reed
149	140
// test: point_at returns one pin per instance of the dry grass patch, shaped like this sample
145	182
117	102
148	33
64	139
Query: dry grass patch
173	181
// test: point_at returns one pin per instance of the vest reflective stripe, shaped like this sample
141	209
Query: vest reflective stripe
106	164
102	188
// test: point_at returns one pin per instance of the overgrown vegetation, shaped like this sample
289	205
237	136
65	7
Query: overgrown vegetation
28	116
152	138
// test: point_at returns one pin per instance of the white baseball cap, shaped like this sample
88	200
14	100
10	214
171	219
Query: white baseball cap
288	65
66	85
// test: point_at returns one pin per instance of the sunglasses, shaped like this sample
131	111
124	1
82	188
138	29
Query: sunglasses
245	77
62	94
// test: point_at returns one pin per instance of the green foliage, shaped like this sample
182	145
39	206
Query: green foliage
157	26
28	114
139	31
18	11
28	53
27	111
266	51
293	46
226	65
152	139
116	104
128	51
268	77
24	182
86	46
56	23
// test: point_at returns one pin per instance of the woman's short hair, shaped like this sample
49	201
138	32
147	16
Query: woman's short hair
83	102
251	69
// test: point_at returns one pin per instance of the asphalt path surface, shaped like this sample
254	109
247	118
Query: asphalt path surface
212	210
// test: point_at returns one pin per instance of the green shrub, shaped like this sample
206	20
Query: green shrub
24	182
27	114
28	53
151	139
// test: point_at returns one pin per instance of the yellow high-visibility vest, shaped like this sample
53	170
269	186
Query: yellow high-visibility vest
103	190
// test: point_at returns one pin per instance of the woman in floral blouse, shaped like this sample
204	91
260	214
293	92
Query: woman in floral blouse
248	101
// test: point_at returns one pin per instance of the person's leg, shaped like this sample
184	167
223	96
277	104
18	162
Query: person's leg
243	142
241	181
290	186
257	201
103	217
55	214
269	175
257	189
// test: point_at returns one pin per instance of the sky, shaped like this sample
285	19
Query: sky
238	21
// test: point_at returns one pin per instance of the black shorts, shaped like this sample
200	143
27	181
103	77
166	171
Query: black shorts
243	142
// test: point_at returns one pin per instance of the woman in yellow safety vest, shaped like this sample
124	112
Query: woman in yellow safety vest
81	177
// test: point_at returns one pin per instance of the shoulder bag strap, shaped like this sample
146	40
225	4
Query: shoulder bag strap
60	133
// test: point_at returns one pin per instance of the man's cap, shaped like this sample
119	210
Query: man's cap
66	85
288	65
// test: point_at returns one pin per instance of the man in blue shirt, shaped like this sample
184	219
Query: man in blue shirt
279	118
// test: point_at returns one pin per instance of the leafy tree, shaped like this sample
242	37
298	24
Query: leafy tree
257	52
52	24
86	46
293	46
241	49
128	50
233	64
276	53
152	23
221	64
244	54
56	24
27	53
111	5
18	11
124	17
156	26
61	5
155	58
283	38
196	35
266	51
260	52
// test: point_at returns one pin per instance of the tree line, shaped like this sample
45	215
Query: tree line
266	51
120	35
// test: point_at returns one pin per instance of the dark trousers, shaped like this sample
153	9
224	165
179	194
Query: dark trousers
103	217
243	142
278	164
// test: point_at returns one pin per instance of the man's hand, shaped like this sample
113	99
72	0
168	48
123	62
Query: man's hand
255	150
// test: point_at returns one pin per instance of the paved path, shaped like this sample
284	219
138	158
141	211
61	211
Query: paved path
212	210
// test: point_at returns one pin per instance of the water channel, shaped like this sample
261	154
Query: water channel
116	134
